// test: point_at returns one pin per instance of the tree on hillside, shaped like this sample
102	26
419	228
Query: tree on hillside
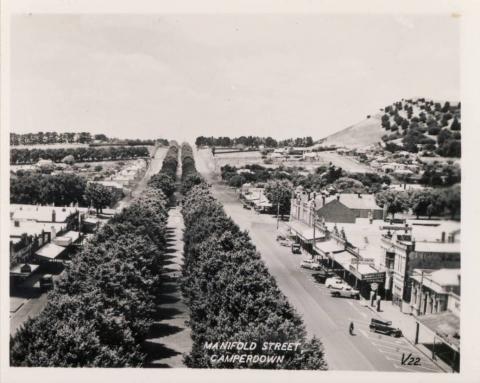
98	196
455	124
279	194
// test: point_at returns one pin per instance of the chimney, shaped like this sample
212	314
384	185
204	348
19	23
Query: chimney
405	186
54	215
323	200
16	223
359	195
443	236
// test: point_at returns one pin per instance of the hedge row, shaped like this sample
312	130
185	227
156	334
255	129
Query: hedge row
29	156
190	176
165	179
102	309
230	293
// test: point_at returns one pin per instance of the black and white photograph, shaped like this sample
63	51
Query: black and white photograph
235	190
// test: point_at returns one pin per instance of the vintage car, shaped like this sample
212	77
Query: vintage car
384	327
322	276
344	291
296	249
46	282
283	241
310	264
334	281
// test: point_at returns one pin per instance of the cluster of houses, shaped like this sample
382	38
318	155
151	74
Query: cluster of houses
415	264
42	238
126	178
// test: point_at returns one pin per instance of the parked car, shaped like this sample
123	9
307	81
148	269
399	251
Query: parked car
344	291
384	327
310	264
322	276
296	249
283	241
46	282
333	281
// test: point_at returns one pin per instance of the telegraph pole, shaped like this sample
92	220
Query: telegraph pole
278	213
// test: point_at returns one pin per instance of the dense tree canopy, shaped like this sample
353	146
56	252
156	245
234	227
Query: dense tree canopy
60	189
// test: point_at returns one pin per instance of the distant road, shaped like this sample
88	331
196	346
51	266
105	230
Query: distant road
346	163
153	168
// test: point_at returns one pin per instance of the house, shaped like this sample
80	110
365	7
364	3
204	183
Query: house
347	207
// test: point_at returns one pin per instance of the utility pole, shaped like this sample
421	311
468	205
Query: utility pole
313	221
421	294
278	213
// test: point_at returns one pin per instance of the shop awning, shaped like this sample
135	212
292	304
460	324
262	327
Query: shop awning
50	251
328	247
344	258
305	232
22	271
445	325
367	273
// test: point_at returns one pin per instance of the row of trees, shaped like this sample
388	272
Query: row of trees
62	190
102	309
423	203
43	138
324	176
29	156
165	180
253	141
230	294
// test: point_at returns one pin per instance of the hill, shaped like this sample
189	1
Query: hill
362	134
414	125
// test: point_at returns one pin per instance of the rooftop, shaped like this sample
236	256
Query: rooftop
352	201
366	237
42	213
437	247
34	228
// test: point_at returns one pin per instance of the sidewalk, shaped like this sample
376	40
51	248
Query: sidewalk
408	325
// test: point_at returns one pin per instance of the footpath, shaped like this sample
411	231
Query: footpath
171	336
408	325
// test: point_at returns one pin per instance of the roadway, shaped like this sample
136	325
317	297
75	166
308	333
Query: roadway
326	317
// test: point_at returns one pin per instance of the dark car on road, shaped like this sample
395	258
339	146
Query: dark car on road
46	282
296	248
322	276
384	327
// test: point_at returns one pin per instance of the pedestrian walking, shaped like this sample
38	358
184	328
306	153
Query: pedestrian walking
351	328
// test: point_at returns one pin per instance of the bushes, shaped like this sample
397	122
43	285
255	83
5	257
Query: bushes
102	308
228	289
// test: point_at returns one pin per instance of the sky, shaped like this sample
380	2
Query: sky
181	76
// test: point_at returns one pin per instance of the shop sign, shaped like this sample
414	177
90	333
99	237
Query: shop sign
374	277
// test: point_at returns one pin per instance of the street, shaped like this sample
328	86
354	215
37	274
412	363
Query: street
326	317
